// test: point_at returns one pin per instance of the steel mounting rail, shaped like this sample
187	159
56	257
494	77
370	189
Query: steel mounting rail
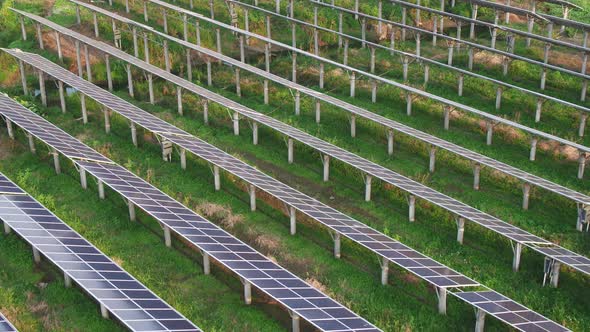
582	200
519	237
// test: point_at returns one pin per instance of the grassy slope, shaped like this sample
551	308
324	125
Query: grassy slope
403	301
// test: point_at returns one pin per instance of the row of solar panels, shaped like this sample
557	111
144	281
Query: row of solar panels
117	291
134	189
253	269
579	264
358	111
411	91
384	246
452	42
521	237
420	59
556	20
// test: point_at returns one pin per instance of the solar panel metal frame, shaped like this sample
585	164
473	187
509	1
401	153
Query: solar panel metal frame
138	192
562	3
509	311
447	37
303	300
354	230
412	90
454	206
458	17
405	54
54	137
232	253
511	9
435	141
98	275
5	325
555	19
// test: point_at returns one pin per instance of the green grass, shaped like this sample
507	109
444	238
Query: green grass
176	276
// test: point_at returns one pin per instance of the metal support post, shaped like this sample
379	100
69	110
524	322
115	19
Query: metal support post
412	208
368	180
526	191
517	248
292	220
216	178
290	150
476	173
252	193
460	229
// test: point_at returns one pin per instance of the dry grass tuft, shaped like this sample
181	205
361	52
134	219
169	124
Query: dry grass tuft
220	214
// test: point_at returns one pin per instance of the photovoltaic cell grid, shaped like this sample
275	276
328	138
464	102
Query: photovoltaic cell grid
5	325
474	156
555	19
510	312
566	257
126	298
8	188
410	89
400	254
289	290
272	279
53	136
108	165
423	266
461	18
108	100
448	203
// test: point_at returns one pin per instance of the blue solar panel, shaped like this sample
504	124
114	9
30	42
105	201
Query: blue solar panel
138	308
5	325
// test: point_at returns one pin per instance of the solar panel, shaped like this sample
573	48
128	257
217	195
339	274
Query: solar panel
427	32
452	205
138	308
566	257
5	325
396	252
272	279
384	246
55	137
115	52
407	54
554	19
540	16
435	141
424	267
510	312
